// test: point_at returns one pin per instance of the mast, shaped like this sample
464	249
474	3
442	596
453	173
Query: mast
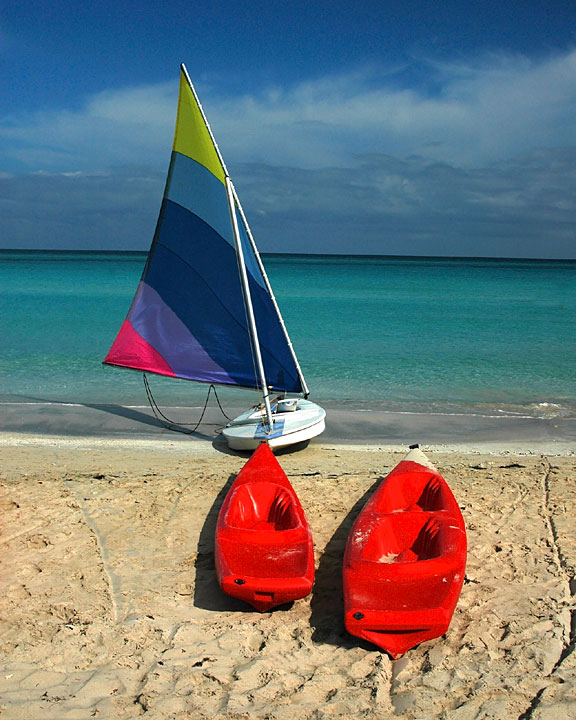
248	299
305	389
231	194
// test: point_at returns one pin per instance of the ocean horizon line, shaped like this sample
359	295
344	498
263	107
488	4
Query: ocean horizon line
363	256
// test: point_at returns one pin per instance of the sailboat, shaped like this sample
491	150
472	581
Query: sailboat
204	309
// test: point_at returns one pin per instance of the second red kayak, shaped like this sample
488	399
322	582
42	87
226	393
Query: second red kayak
405	559
263	547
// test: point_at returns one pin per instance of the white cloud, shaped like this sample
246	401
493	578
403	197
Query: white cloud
338	164
483	112
127	126
486	111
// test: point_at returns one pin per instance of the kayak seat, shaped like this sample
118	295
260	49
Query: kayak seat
262	506
432	497
428	544
408	537
412	492
282	513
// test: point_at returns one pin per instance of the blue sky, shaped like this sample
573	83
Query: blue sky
428	128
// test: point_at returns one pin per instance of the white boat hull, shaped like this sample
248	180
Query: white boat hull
248	430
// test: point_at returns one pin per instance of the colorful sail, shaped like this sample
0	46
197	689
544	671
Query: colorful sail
188	319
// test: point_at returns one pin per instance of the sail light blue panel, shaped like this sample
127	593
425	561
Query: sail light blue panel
195	188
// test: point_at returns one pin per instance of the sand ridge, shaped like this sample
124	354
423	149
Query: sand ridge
109	605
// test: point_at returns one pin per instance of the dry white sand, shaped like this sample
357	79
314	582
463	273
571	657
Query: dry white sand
109	606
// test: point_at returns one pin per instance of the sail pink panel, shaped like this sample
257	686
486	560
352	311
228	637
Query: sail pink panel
131	350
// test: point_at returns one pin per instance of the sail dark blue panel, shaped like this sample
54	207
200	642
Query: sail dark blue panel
193	270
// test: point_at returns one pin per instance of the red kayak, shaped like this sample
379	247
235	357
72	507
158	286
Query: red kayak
264	553
405	559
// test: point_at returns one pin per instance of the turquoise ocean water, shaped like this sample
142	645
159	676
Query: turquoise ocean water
414	334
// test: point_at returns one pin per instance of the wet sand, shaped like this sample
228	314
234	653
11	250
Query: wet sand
474	432
109	605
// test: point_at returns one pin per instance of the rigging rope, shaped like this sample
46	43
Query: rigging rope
179	426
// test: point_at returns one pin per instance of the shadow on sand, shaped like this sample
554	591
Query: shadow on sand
136	416
327	605
219	443
207	592
143	418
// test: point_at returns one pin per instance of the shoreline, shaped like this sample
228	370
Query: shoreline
206	448
81	425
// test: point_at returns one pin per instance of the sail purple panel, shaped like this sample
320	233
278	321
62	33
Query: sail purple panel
157	325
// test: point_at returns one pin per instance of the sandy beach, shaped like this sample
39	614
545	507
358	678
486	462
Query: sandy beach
109	605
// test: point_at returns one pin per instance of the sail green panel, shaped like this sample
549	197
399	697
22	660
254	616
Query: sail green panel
192	137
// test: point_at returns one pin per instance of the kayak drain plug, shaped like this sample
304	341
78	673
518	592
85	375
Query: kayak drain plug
239	581
358	616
